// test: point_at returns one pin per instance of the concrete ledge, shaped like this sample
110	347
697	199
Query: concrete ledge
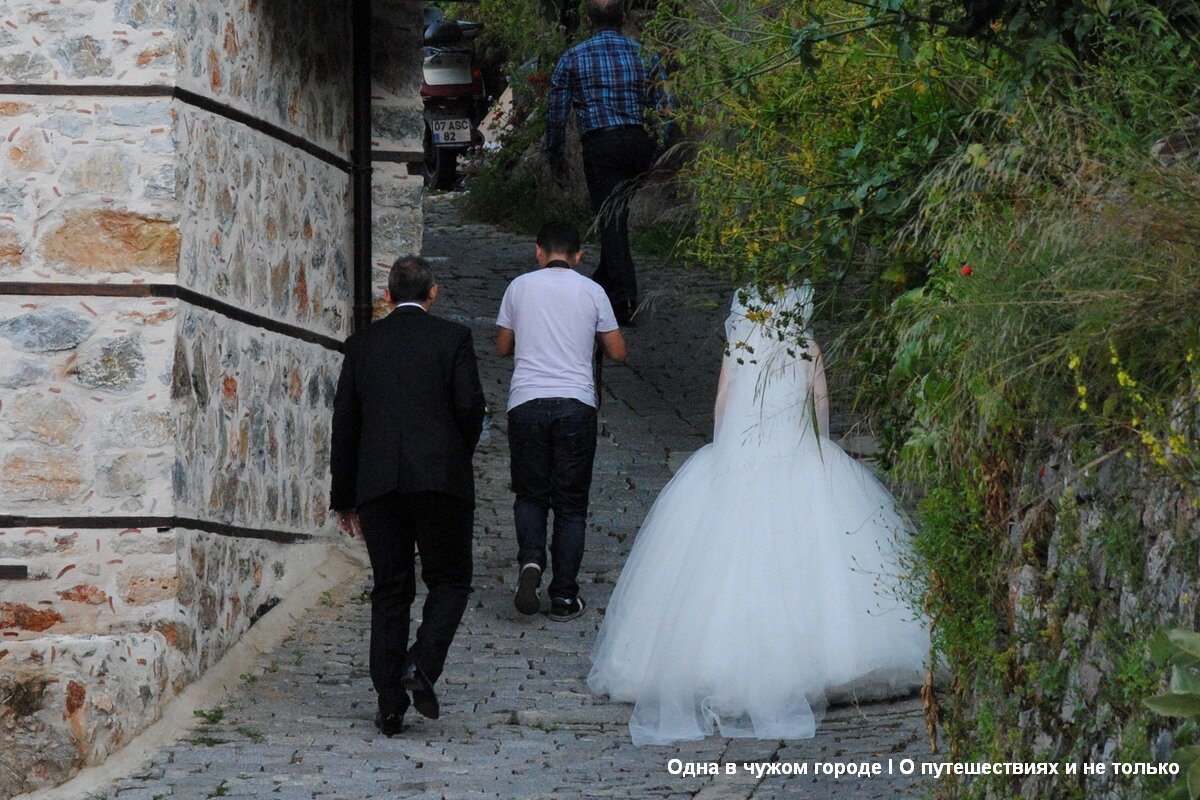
610	714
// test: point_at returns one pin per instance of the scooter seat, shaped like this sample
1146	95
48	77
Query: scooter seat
442	32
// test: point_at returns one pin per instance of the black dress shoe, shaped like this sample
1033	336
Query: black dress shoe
625	312
389	724
423	697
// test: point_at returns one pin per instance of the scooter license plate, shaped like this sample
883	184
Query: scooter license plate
451	131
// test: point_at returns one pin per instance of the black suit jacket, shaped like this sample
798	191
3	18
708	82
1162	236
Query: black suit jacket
408	412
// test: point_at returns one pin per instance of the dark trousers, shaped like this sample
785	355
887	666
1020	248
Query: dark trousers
552	443
438	526
612	159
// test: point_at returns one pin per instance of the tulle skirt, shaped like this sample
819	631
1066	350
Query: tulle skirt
754	592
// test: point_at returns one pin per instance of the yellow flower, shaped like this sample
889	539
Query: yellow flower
1083	406
1073	362
1082	390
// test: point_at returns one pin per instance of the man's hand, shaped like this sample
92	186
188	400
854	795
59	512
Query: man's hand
561	173
348	522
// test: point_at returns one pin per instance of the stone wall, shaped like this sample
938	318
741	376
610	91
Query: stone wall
1105	551
286	63
88	189
265	227
194	420
254	416
89	196
86	412
121	42
398	132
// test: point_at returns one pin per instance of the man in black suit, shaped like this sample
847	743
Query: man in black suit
407	417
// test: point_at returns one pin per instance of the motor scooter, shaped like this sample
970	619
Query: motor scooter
454	96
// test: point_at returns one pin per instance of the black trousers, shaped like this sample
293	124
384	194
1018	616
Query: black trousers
552	444
612	159
438	526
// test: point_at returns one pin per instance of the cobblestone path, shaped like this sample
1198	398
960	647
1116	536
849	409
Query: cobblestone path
517	718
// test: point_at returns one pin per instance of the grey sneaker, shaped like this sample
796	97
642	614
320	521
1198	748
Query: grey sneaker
529	597
562	610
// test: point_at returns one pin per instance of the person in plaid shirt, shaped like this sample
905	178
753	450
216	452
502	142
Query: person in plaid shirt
610	86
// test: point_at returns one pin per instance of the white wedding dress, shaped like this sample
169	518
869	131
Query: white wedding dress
762	581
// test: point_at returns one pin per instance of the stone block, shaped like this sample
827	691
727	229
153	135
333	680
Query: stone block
103	170
12	250
106	240
83	57
123	476
136	426
47	418
24	373
40	473
145	13
22	617
115	363
140	585
46	330
84	593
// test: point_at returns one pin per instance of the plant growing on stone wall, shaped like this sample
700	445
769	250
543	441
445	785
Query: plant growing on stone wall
1180	650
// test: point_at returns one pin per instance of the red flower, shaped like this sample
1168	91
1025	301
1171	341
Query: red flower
966	269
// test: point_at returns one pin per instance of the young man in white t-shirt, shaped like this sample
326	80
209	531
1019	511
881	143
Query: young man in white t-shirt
549	321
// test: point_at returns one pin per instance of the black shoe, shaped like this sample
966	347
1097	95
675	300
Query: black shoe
423	697
529	597
389	724
625	312
562	610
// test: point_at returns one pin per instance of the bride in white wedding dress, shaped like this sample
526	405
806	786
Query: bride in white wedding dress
761	582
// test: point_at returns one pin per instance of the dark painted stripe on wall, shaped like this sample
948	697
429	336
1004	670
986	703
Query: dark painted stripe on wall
87	89
274	131
169	290
14	572
161	523
183	95
398	156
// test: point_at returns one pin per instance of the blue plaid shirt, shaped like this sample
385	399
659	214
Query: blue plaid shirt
607	82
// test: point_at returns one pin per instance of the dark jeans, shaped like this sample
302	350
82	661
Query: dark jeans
612	159
552	442
439	527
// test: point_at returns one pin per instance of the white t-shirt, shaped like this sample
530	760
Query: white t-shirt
555	314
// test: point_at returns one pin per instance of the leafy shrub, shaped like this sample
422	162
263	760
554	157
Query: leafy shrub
1180	650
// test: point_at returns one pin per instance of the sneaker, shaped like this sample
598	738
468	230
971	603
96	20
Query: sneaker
562	610
529	596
